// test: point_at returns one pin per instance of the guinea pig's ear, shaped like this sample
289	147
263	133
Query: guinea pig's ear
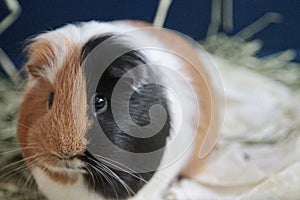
40	54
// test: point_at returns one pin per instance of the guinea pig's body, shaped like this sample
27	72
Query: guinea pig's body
54	123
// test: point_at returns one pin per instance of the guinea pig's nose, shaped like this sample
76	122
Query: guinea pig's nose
66	156
70	161
68	149
69	157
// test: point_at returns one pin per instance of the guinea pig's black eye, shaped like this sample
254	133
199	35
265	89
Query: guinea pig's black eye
50	100
100	104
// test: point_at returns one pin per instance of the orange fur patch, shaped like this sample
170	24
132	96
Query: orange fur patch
41	53
46	134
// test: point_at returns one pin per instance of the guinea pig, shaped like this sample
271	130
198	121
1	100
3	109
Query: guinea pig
113	110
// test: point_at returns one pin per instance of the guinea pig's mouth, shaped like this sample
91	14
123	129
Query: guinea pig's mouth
62	170
65	165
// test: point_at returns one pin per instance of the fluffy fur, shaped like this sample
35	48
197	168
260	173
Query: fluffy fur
52	144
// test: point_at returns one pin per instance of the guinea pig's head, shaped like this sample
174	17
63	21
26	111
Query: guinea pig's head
58	112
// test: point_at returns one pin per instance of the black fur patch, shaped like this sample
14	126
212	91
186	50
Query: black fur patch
102	179
140	102
91	44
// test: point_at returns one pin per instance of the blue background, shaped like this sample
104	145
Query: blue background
189	17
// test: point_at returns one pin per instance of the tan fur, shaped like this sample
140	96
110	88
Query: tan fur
41	53
201	84
58	133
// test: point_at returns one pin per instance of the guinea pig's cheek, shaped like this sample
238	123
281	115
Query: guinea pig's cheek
37	155
31	149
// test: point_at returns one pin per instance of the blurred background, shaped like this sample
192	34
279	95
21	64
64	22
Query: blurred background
189	17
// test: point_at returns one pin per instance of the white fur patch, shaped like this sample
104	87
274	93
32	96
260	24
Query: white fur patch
57	191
